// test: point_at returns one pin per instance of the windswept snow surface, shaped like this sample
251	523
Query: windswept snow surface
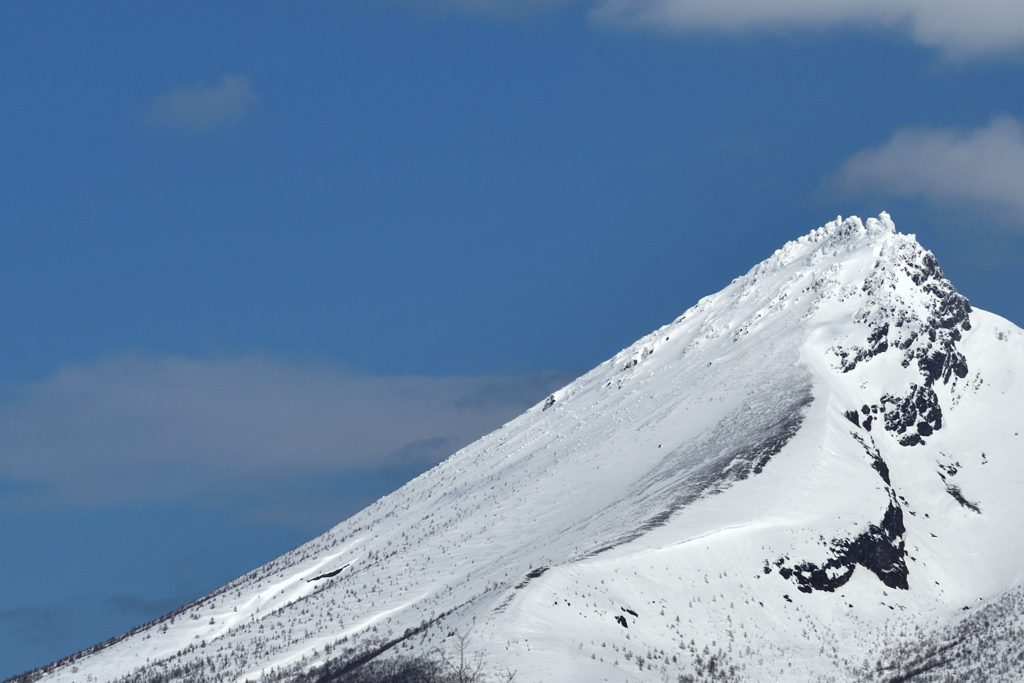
814	474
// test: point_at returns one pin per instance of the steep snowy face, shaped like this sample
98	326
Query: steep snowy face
819	460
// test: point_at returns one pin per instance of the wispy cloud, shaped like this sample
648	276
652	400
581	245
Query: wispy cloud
202	106
133	430
35	624
981	169
141	608
32	635
960	29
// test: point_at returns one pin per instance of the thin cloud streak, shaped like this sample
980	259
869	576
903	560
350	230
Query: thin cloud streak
202	107
35	625
981	169
961	30
132	430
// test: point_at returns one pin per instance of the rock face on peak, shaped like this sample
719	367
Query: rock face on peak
812	475
910	307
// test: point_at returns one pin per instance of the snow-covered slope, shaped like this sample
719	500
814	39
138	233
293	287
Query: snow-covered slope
814	474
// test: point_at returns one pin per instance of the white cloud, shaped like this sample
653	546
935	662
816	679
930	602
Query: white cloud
132	430
202	106
980	169
961	29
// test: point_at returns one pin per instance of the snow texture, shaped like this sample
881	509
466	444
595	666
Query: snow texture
812	475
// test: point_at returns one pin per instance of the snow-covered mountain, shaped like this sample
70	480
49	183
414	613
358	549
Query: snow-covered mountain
815	474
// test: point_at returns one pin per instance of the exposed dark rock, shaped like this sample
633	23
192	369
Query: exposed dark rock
877	463
912	439
927	338
954	490
878	340
878	343
532	574
880	549
327	575
940	365
914	415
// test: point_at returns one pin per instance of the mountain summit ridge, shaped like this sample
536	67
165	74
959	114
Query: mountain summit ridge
797	476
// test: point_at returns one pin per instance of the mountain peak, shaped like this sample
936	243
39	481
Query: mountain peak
816	463
863	285
830	243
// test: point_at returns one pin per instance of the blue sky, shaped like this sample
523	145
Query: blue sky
262	262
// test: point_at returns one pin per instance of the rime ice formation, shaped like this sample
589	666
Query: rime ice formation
812	475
